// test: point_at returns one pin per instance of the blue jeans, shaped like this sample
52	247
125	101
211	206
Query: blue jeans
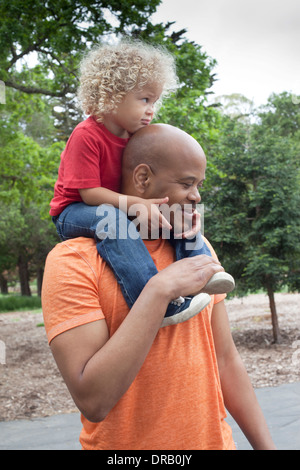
119	244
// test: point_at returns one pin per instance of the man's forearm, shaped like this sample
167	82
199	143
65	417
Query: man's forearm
241	402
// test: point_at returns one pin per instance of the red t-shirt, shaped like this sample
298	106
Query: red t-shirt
92	159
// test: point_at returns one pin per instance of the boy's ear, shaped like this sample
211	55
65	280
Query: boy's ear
142	177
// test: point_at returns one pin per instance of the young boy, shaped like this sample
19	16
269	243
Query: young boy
120	87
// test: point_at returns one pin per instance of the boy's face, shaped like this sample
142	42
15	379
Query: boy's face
134	112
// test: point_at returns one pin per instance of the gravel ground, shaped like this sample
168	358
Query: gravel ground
31	386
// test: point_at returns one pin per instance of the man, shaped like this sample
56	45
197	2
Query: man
137	384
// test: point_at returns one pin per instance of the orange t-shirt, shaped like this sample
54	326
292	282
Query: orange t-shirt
175	401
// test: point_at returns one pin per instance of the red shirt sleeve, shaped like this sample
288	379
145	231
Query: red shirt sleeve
82	161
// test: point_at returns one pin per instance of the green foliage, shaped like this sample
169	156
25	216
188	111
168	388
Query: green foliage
188	108
56	33
28	169
11	303
252	215
40	111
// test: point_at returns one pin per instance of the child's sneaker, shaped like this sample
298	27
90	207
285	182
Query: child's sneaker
219	283
184	308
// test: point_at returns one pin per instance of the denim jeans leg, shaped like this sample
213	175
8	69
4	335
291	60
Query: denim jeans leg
120	245
186	248
76	220
117	240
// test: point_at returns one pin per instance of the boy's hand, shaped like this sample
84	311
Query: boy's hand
149	217
192	232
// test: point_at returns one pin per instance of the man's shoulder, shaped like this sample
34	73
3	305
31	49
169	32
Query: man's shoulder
83	248
208	244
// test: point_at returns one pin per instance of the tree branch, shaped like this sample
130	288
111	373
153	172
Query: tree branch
16	57
35	90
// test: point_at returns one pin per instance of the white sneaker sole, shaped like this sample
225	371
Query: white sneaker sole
219	283
198	303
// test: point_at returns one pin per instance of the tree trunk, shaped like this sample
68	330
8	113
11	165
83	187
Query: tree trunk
3	285
24	276
40	273
274	317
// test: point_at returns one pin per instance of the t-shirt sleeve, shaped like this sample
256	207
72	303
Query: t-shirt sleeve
82	161
70	292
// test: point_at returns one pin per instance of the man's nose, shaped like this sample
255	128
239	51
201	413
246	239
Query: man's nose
194	195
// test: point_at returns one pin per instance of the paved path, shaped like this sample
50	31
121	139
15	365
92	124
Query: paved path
281	407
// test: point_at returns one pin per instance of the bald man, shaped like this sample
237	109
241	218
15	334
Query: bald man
137	385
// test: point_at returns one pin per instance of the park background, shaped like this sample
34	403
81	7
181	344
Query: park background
252	190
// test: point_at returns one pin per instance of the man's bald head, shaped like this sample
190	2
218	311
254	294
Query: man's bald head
158	146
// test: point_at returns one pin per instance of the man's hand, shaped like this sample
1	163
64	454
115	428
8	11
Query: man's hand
187	276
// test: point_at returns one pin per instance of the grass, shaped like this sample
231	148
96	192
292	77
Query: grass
12	303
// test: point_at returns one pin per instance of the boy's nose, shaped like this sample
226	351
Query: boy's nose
150	109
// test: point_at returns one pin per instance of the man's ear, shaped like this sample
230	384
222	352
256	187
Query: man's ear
142	177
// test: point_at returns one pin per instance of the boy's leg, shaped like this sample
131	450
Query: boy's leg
75	221
114	236
220	283
120	245
185	248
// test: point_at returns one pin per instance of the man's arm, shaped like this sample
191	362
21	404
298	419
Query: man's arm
99	369
238	393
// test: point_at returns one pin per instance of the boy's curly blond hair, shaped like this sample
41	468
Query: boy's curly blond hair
110	71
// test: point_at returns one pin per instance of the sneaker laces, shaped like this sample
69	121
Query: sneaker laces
179	301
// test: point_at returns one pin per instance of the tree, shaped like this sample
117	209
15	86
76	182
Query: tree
253	208
189	109
41	104
56	33
282	114
28	169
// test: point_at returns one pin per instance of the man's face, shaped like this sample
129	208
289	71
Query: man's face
180	180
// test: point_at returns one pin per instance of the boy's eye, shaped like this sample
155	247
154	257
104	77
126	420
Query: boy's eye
145	100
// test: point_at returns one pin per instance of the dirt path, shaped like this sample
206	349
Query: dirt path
31	386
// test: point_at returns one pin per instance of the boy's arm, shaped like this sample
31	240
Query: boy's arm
148	207
98	196
239	397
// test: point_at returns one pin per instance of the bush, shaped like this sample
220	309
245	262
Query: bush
10	303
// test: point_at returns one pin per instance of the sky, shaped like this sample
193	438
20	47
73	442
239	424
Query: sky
255	42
